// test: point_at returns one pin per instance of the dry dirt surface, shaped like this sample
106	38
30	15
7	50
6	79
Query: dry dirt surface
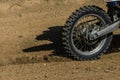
30	43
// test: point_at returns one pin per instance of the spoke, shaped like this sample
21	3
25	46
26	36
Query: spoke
82	48
85	48
76	38
92	47
78	42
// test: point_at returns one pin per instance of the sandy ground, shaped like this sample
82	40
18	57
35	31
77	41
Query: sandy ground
30	42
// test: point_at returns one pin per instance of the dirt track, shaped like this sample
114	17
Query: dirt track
30	42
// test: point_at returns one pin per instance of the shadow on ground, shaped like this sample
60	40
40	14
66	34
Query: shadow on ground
54	35
115	45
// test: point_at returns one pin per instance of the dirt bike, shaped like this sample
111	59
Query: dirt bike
88	32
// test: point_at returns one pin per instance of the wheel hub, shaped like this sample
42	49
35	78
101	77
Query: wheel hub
85	32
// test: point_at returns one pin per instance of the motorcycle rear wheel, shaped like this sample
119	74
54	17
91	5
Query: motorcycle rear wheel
77	29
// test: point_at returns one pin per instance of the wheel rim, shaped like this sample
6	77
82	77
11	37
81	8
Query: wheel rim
80	34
